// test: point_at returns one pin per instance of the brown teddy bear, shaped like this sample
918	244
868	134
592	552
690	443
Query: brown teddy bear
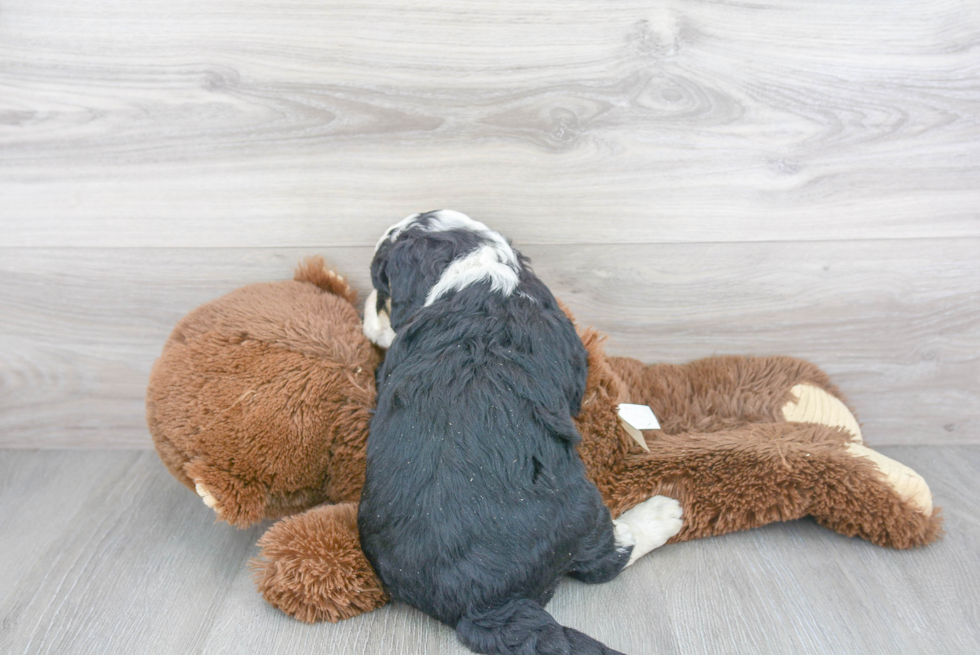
261	401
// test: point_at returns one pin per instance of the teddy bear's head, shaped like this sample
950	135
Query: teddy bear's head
261	399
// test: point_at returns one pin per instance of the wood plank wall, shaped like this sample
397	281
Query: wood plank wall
692	177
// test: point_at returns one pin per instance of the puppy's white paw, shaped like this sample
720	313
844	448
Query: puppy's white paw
651	524
377	325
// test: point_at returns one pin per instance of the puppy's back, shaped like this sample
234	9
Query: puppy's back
473	478
476	502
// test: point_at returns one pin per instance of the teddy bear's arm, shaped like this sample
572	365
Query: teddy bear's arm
311	566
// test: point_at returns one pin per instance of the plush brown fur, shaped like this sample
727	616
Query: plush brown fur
263	397
314	569
728	455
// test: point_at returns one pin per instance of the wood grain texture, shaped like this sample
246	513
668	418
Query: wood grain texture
693	177
895	323
105	552
287	123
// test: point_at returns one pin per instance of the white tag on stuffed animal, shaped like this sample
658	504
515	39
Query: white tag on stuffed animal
635	418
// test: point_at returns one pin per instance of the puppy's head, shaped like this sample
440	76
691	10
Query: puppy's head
425	257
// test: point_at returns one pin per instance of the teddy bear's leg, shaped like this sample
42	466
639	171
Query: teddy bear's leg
723	393
876	498
903	481
759	474
813	404
312	567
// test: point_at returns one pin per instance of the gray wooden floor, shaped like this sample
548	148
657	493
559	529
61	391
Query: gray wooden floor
796	177
103	552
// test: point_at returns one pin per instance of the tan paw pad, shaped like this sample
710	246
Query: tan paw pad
909	485
205	495
814	405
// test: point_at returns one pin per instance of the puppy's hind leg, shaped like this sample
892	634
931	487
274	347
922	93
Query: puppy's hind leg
648	525
606	555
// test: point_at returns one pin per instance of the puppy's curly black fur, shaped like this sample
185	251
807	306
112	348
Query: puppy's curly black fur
476	502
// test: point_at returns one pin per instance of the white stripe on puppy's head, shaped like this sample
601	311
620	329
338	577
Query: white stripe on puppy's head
495	261
444	220
484	263
391	234
488	257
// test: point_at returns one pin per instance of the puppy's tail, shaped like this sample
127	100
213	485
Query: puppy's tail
522	627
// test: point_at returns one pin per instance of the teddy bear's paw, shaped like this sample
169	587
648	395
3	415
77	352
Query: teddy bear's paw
207	497
906	483
651	524
815	405
311	566
235	500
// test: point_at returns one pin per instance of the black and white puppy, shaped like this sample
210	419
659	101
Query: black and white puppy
476	502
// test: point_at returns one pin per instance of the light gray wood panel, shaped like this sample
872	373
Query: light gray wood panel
896	323
289	123
133	563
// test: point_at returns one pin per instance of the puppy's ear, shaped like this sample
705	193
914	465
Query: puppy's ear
557	422
410	269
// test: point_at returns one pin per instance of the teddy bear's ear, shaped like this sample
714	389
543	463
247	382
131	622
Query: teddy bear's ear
315	271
